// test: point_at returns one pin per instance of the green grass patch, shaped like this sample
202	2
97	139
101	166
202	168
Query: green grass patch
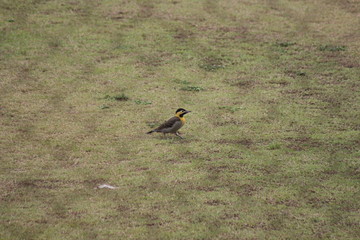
212	64
119	97
192	89
104	107
182	82
285	44
332	48
274	146
142	102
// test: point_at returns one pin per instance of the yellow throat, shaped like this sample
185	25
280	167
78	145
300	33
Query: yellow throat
181	118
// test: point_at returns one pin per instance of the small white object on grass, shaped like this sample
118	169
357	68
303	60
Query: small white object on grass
106	186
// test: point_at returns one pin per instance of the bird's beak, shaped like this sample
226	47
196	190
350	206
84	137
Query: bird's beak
187	112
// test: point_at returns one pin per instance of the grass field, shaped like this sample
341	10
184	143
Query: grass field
271	148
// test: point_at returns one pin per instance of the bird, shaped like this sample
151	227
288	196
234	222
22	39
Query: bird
173	124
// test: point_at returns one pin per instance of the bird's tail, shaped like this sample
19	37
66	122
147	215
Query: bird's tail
150	132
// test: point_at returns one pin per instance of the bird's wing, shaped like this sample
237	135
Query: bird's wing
169	123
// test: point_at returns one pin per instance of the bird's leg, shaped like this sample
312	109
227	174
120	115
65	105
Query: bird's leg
177	134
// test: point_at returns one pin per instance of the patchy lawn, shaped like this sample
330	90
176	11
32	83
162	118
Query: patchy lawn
271	148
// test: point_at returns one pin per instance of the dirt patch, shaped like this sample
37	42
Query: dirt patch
349	62
182	34
117	15
247	190
212	63
215	202
123	208
288	202
203	188
231	215
28	183
259	225
153	60
302	143
280	82
317	202
244	142
140	169
304	93
295	73
146	9
242	81
175	161
218	169
352	6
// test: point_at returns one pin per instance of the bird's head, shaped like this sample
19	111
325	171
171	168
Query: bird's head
181	112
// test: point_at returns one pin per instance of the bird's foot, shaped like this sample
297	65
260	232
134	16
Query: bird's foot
178	134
